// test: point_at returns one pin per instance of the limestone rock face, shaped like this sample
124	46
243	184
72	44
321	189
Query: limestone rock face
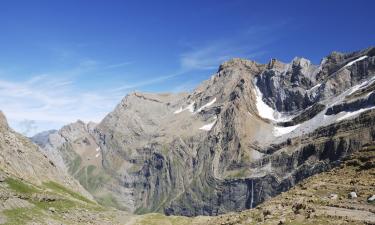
241	137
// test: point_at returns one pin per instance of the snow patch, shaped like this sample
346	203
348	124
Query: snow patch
190	108
354	89
97	155
206	105
209	126
315	87
347	115
97	149
279	131
255	155
266	111
360	86
268	167
356	60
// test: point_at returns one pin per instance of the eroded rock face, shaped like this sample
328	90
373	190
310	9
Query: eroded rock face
247	134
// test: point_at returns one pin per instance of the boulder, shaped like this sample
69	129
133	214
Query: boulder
352	195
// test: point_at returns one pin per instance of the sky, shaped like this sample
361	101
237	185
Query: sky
61	61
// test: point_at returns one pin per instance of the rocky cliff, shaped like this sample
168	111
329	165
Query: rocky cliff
247	134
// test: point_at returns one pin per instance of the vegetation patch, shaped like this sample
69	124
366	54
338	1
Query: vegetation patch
141	211
59	205
22	216
61	189
20	187
108	200
90	179
74	165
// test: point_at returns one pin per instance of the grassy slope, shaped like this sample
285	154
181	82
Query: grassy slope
38	202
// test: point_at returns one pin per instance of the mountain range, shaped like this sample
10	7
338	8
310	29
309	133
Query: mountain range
244	136
259	143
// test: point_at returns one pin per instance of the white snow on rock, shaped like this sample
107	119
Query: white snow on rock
371	199
315	87
97	155
352	195
346	115
268	167
206	105
333	196
360	86
255	155
356	60
354	89
97	149
209	126
190	108
279	131
266	111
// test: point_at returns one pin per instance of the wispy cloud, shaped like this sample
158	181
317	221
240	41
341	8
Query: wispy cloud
249	43
140	84
51	102
119	65
54	99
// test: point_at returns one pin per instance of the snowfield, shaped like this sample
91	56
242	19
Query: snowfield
279	131
265	111
209	126
357	60
346	115
190	108
206	105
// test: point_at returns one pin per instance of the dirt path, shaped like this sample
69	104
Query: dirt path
351	214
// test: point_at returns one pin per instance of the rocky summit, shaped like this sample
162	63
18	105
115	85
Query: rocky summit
248	134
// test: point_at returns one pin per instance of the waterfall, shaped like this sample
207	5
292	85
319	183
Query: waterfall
252	194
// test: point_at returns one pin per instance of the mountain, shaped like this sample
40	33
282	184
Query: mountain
249	133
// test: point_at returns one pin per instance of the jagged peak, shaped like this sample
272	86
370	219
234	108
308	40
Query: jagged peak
275	64
239	62
335	57
80	122
163	98
300	61
91	125
78	125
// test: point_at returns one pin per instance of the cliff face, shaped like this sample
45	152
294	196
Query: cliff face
247	134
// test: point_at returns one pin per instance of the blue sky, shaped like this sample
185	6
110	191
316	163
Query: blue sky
66	60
